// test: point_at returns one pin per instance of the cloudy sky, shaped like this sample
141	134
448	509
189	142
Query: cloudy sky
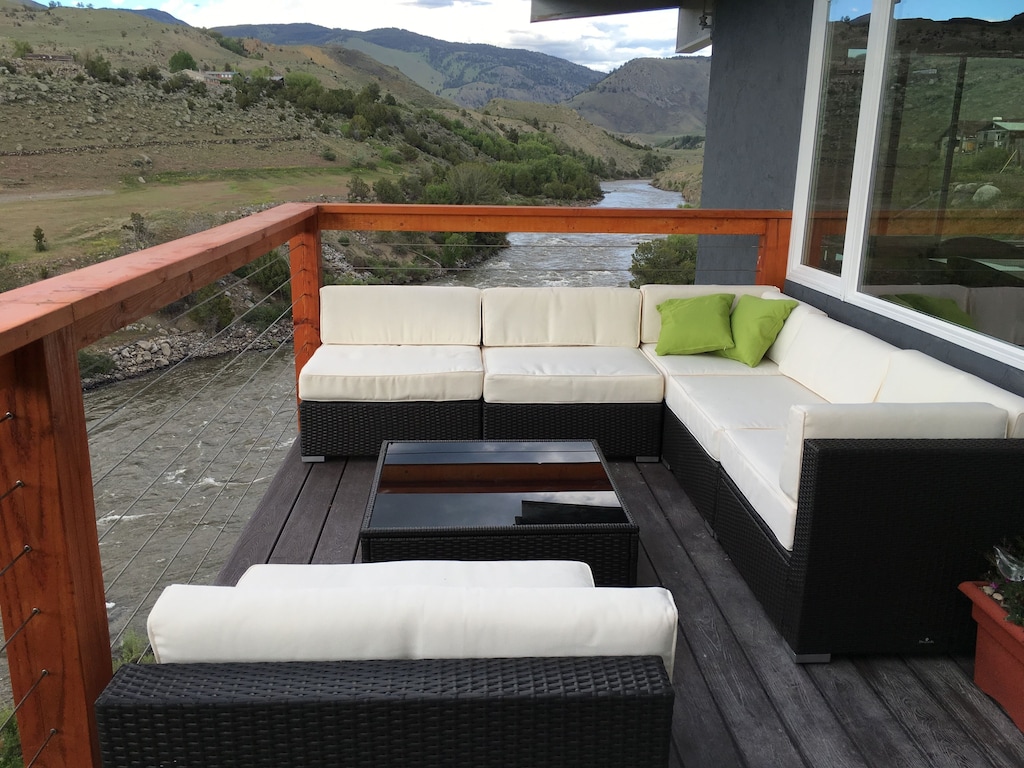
600	43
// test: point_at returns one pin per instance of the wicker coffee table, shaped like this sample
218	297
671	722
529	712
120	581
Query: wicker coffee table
499	500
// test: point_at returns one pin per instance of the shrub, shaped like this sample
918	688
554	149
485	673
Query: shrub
670	260
91	363
182	60
213	309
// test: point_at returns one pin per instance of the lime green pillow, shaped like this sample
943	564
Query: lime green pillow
755	324
690	326
936	306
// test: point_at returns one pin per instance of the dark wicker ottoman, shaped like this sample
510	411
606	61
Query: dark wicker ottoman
485	500
514	713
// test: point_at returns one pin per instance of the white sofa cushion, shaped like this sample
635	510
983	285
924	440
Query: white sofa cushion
399	314
880	420
570	375
915	377
777	351
561	317
708	405
191	623
751	457
655	293
706	364
838	362
412	573
353	372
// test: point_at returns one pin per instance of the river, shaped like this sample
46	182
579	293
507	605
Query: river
181	458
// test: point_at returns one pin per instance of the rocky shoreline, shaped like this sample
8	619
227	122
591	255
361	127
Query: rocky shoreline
164	347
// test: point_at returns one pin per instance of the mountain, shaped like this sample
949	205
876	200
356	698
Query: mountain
162	16
468	74
650	98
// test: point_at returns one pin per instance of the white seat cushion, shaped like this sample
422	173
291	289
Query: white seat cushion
412	573
751	457
706	364
561	317
708	405
570	375
655	293
191	623
399	314
341	372
840	363
914	377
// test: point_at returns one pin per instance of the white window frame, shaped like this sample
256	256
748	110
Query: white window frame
845	286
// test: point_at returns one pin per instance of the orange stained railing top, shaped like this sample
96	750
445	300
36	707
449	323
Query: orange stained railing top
51	583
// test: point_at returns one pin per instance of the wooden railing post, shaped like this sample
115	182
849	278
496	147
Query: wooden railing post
307	278
51	593
773	252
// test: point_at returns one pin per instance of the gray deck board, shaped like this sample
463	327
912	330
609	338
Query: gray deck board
740	699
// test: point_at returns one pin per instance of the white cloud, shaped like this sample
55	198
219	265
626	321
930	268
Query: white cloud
601	43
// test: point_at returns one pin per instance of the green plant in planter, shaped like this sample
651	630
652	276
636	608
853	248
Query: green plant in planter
1006	578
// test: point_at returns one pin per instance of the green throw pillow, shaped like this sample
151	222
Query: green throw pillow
690	326
755	324
936	306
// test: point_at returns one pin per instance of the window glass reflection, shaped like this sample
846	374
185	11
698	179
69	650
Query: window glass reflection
845	56
946	236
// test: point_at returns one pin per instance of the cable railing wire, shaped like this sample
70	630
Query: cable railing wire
3	648
157	380
180	453
138	394
171	559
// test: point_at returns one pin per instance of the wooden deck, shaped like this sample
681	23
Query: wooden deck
740	700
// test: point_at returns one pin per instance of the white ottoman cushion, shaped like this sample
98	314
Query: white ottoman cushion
423	573
570	375
342	372
191	623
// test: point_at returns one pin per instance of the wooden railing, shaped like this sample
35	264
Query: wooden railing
51	583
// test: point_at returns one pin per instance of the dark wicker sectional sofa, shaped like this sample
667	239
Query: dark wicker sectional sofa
862	554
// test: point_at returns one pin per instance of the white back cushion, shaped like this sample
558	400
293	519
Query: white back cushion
413	573
654	293
790	328
399	314
192	623
867	420
835	361
915	377
561	317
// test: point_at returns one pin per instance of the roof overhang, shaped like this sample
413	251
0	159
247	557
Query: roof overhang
692	34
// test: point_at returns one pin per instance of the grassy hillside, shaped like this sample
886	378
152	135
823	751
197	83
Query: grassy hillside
87	151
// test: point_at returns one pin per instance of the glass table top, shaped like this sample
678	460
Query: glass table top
492	483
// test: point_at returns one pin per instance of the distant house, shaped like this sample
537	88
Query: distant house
219	77
1002	134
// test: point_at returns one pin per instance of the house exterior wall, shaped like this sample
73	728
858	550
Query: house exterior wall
758	73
